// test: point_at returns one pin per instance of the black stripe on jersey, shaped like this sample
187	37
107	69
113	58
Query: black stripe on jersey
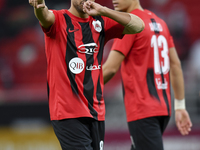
151	84
88	82
99	93
156	29
164	93
70	53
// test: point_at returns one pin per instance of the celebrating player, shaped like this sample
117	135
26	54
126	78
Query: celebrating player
74	42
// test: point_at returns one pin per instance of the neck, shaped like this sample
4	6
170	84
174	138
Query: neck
135	5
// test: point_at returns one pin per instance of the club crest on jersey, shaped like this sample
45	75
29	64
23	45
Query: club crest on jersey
97	25
76	65
154	26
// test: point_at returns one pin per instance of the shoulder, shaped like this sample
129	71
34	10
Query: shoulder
156	16
58	12
158	19
137	12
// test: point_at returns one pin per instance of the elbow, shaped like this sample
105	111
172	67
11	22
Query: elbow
176	64
139	25
108	73
175	68
142	26
111	71
136	25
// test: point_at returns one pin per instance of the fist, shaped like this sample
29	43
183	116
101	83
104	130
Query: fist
37	3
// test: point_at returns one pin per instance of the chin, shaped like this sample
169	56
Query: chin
116	8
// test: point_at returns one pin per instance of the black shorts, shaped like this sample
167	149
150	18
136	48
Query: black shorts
146	134
80	133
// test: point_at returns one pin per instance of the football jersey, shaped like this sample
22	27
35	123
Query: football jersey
145	69
74	51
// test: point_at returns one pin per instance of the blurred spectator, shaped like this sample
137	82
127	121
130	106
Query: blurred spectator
194	58
193	66
160	2
2	3
193	73
179	26
18	19
6	75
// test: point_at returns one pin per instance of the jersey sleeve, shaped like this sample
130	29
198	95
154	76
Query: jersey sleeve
170	39
171	42
112	29
51	31
125	44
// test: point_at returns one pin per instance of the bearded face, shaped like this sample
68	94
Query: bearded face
78	4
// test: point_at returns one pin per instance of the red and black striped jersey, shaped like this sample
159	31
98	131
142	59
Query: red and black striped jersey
145	69
74	51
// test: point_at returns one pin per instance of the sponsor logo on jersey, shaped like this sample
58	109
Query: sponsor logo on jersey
97	25
76	65
161	85
74	30
90	48
93	67
154	26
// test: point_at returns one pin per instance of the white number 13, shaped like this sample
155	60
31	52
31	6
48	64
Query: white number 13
156	43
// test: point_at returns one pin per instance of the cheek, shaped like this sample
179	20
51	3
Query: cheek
124	7
120	7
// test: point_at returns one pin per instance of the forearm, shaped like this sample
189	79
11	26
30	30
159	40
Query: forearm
120	17
133	24
112	64
108	74
45	16
177	81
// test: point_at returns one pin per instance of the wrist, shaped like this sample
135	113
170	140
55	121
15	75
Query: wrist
179	104
103	11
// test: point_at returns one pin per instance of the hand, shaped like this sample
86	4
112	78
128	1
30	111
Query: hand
92	8
183	121
37	3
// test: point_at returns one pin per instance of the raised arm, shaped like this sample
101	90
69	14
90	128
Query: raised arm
182	118
43	14
133	24
112	64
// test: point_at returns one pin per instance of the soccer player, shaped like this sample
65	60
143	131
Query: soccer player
148	61
74	41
